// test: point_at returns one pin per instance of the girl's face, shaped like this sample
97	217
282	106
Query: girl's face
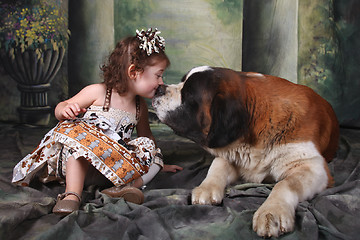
146	82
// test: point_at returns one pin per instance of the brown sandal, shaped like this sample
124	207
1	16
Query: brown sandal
65	207
130	194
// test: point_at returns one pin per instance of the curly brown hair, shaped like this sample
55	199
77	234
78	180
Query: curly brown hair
127	52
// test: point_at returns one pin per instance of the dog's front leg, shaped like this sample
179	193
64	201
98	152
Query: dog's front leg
211	190
301	180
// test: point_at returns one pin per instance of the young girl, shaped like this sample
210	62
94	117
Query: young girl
80	148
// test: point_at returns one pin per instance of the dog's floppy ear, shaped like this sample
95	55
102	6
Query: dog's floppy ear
229	121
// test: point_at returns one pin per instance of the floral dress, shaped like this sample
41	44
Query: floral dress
103	137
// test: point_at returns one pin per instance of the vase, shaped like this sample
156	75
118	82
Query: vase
33	75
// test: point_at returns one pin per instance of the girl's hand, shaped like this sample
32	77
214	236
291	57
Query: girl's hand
71	111
171	168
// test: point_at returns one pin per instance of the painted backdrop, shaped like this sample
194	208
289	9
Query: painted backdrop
311	42
202	32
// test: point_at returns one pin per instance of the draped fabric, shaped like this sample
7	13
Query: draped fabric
167	212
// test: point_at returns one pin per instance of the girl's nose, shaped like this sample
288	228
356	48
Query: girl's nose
161	80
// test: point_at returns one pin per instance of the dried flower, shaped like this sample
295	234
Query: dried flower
38	27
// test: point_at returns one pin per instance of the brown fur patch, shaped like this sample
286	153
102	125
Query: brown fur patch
283	112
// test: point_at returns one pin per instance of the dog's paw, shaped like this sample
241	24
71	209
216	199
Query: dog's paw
273	219
207	194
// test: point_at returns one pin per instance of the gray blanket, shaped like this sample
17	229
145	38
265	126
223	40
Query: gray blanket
25	212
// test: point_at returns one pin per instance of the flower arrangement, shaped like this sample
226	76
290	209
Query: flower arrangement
36	25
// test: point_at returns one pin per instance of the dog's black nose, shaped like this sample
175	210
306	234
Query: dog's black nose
160	90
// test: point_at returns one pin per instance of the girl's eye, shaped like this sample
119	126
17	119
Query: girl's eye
159	76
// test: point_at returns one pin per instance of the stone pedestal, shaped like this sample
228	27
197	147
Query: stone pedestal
33	75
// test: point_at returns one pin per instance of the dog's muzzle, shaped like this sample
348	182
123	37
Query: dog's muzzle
160	91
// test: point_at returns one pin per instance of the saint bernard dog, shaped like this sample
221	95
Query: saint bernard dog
260	128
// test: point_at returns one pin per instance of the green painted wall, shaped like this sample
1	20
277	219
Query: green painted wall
318	48
329	49
202	32
347	28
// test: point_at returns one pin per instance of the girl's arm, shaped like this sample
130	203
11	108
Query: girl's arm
72	107
171	168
